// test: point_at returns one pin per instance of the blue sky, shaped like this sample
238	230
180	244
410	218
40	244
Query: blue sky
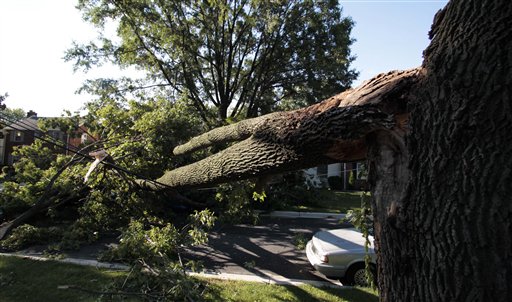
34	34
390	34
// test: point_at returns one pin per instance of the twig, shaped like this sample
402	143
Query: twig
97	292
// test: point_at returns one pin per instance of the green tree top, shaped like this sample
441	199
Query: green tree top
241	58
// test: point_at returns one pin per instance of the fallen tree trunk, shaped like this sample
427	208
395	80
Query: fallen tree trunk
332	131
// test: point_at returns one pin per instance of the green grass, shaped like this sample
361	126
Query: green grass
23	280
330	202
29	280
240	291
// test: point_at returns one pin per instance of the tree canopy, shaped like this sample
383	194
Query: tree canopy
230	59
11	113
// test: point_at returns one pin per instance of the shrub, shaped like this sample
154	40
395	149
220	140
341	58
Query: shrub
26	235
293	190
352	179
236	202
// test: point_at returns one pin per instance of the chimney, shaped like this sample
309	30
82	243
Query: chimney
31	113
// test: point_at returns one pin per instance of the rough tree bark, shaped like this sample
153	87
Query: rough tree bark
332	131
445	228
439	142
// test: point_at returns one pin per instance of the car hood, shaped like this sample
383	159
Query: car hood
341	241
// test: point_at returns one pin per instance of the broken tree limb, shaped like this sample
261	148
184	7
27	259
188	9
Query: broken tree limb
287	142
225	134
331	131
388	90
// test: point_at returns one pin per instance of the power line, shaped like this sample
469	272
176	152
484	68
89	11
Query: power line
26	126
53	143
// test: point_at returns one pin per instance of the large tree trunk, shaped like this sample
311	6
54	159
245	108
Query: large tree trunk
439	142
443	204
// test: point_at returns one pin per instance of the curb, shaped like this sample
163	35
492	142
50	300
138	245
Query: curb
77	261
270	279
293	214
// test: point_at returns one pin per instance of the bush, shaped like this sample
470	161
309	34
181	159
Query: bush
293	190
236	202
351	180
26	235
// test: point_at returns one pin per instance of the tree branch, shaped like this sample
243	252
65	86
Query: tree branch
332	131
230	133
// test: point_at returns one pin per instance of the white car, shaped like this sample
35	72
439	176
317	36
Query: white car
339	254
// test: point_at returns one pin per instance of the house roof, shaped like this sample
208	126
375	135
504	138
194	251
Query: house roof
29	123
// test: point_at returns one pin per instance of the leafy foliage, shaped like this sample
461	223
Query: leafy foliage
155	243
36	165
137	136
362	219
236	202
243	56
141	135
157	272
300	240
11	114
26	235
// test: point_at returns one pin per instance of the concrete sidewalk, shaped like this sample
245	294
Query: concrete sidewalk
270	279
314	215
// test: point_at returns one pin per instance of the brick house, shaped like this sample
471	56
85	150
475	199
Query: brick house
16	134
25	131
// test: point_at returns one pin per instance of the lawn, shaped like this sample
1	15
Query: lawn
251	291
330	202
28	280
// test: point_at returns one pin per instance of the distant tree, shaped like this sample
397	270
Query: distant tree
240	58
12	114
8	115
2	99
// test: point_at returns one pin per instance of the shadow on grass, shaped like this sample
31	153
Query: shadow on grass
329	294
29	280
241	291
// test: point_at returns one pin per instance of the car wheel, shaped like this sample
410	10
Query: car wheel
356	275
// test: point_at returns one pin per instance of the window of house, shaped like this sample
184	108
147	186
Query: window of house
17	136
362	171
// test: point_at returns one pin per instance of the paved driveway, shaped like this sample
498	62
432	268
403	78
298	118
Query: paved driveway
266	249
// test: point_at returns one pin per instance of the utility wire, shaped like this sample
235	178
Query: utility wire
27	126
53	143
56	141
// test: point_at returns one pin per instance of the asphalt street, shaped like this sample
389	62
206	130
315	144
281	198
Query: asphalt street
266	249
